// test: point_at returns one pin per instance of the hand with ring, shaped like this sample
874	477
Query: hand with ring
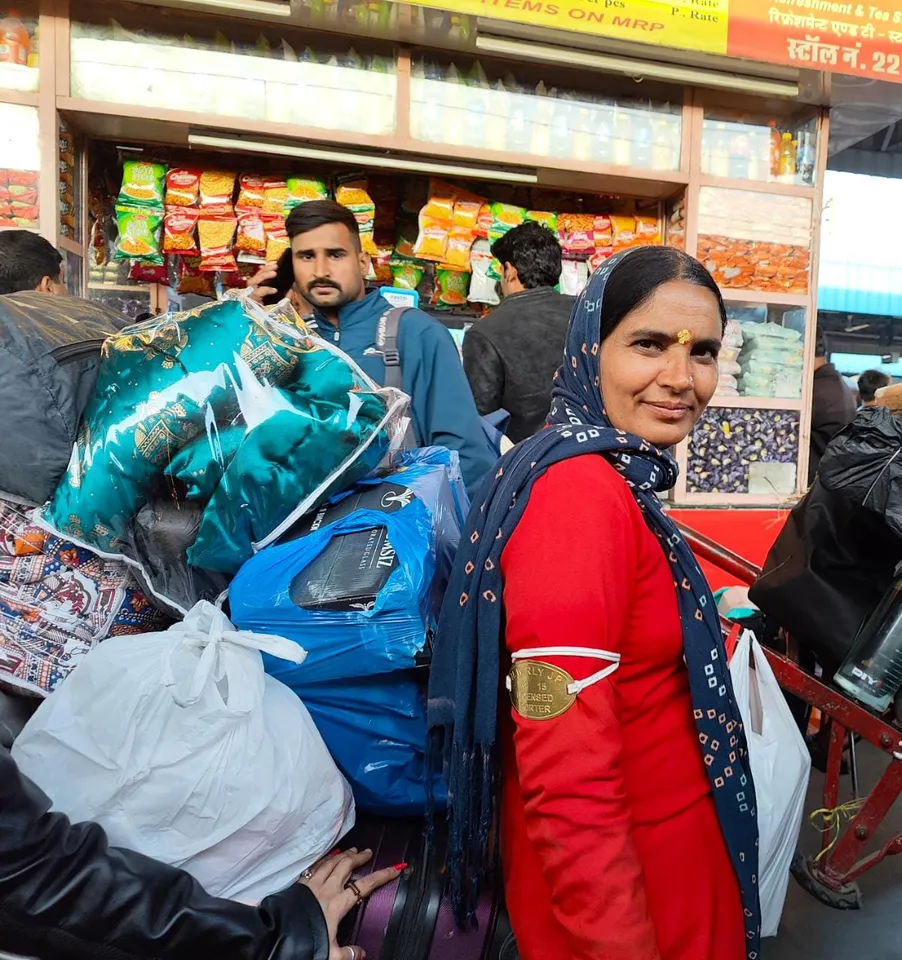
332	883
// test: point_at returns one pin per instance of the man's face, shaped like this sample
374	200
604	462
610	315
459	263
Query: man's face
329	267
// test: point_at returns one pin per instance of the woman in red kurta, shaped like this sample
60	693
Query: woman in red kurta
627	818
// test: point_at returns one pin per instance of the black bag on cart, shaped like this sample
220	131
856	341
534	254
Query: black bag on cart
49	358
835	556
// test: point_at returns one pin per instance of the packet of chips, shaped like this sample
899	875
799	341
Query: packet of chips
352	193
142	185
302	190
139	235
451	288
192	281
277	241
275	196
179	226
216	189
406	276
215	236
251	242
182	187
251	190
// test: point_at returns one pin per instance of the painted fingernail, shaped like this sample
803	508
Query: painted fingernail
400	866
335	852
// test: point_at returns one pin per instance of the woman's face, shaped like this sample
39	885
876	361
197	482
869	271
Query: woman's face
659	365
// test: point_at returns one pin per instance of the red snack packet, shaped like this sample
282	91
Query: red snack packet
251	193
179	225
182	188
215	192
148	273
251	243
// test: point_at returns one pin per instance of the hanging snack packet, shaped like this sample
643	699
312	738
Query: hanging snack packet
405	242
483	286
436	221
406	276
139	235
352	193
451	288
548	220
302	190
648	231
277	241
148	273
251	190
251	243
275	195
577	233
505	217
179	225
624	233
460	241
215	235
142	184
216	189
603	234
182	187
192	281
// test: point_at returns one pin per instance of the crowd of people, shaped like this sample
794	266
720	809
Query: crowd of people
618	774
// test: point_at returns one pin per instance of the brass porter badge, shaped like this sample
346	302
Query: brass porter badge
539	691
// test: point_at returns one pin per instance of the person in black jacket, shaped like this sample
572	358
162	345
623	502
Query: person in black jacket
66	895
511	356
832	407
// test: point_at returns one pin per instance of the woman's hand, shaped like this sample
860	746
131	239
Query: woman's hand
329	880
260	282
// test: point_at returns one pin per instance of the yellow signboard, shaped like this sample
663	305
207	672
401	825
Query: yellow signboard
700	25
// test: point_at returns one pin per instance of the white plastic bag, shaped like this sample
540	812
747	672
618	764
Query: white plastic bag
181	747
780	766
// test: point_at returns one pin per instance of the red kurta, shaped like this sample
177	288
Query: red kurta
610	843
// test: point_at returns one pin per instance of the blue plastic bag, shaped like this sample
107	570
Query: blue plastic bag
359	585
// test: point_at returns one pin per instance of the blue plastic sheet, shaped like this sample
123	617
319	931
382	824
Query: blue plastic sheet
359	585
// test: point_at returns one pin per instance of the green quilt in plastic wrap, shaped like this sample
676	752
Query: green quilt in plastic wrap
227	406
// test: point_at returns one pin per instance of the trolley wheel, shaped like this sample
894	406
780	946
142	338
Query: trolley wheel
845	897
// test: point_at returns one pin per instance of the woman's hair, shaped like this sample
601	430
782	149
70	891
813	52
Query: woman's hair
634	280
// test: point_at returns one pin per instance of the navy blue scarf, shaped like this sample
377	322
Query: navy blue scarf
467	662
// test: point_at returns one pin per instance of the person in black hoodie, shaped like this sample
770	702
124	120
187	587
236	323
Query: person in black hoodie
512	355
65	894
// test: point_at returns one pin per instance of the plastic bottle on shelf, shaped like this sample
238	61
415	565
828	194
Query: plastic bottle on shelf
642	136
499	110
562	122
720	151
776	148
787	157
806	157
623	137
14	43
664	145
456	106
34	57
583	113
477	106
740	154
603	130
872	671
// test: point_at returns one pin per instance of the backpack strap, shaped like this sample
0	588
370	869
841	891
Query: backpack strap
387	345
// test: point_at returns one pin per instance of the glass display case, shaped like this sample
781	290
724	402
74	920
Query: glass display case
477	105
20	164
748	146
19	47
237	71
755	241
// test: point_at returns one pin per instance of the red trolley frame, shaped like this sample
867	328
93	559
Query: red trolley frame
831	877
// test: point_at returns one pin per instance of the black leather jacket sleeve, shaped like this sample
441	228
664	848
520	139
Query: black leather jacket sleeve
66	895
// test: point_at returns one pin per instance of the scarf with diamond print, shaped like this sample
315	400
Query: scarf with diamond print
465	674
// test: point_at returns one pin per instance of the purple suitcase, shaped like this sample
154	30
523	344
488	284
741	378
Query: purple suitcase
413	920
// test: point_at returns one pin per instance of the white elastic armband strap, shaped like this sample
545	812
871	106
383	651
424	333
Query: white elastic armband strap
592	653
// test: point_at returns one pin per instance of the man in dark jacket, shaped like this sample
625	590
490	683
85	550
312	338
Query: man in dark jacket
512	355
832	407
330	270
66	895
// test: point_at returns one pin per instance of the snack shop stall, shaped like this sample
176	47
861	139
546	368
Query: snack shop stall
161	144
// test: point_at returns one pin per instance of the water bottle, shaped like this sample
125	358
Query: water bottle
872	672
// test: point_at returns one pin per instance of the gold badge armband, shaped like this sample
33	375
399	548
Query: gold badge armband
542	691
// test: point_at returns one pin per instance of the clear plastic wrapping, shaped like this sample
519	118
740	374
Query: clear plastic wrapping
209	434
